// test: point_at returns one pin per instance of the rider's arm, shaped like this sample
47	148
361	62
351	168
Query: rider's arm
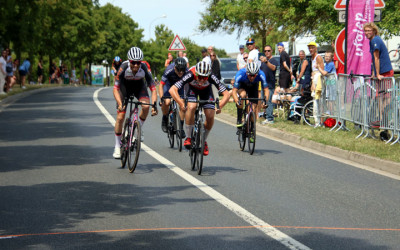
174	94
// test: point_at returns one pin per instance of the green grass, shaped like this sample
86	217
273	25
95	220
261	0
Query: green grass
341	139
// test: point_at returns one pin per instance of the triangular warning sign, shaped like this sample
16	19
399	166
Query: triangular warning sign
177	44
341	4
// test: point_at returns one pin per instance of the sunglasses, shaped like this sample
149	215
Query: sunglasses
135	62
245	58
267	50
202	78
212	55
251	75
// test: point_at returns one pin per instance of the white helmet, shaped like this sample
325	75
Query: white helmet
203	69
252	68
135	54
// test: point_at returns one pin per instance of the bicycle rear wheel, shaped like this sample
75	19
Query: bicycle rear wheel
307	114
178	134
394	55
200	149
124	143
251	130
171	129
134	150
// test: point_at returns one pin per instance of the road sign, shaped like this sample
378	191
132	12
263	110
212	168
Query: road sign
177	45
340	45
342	16
341	4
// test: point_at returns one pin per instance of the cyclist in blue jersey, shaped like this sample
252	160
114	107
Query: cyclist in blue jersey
133	78
115	65
172	74
200	79
246	83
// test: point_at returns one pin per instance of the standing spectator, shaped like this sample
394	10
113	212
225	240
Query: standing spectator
186	58
304	72
15	77
285	72
317	66
40	72
268	66
86	76
205	56
65	74
23	71
9	70
381	65
245	58
215	65
74	80
3	73
339	67
169	60
240	63
253	52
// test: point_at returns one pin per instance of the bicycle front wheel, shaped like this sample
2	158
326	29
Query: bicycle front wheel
200	150
124	143
394	55
251	132
242	137
171	129
179	134
193	149
134	150
308	113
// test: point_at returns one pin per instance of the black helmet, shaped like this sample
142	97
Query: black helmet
180	64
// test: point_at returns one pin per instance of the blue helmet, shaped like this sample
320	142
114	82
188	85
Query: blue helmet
117	59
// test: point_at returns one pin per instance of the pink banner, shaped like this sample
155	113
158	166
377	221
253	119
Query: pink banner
358	55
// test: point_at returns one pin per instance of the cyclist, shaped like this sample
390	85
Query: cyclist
130	80
172	74
200	82
115	65
246	83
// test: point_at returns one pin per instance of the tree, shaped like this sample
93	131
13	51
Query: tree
256	16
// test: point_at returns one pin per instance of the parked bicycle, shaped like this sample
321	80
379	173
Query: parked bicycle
131	135
394	54
196	151
174	125
248	130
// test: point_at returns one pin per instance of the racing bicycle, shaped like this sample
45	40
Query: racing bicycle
174	126
131	134
248	130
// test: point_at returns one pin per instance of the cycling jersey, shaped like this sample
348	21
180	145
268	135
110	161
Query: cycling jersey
126	76
115	66
241	80
169	78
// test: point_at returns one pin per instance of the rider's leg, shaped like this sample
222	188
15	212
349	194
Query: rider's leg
208	124
189	117
242	94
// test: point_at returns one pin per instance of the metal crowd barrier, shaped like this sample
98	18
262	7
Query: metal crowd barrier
368	103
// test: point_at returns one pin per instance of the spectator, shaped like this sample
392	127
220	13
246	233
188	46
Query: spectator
339	66
268	66
169	60
52	71
40	72
23	71
205	56
304	72
65	74
381	65
330	83
253	52
3	72
9	71
240	62
245	58
86	76
215	65
15	77
285	72
186	58
74	80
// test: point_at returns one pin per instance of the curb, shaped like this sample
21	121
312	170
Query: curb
365	160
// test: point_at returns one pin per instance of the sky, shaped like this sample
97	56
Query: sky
183	18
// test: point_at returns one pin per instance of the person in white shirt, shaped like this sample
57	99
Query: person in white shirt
206	57
240	62
253	52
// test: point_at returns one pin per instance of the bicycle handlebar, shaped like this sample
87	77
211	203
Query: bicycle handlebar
252	99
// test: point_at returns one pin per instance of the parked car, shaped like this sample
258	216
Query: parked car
228	71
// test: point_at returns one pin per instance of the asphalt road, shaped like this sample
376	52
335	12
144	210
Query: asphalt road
60	188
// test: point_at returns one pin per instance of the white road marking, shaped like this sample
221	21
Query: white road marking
232	206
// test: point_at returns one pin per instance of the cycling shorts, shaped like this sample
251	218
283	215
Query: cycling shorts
166	88
251	90
136	88
204	94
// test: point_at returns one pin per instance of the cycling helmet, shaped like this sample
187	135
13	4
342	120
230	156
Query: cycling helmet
117	59
180	64
135	54
252	68
203	69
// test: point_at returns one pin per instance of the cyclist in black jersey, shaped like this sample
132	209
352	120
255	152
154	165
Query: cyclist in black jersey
130	80
172	74
115	65
200	80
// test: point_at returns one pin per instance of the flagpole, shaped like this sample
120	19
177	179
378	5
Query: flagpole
346	26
